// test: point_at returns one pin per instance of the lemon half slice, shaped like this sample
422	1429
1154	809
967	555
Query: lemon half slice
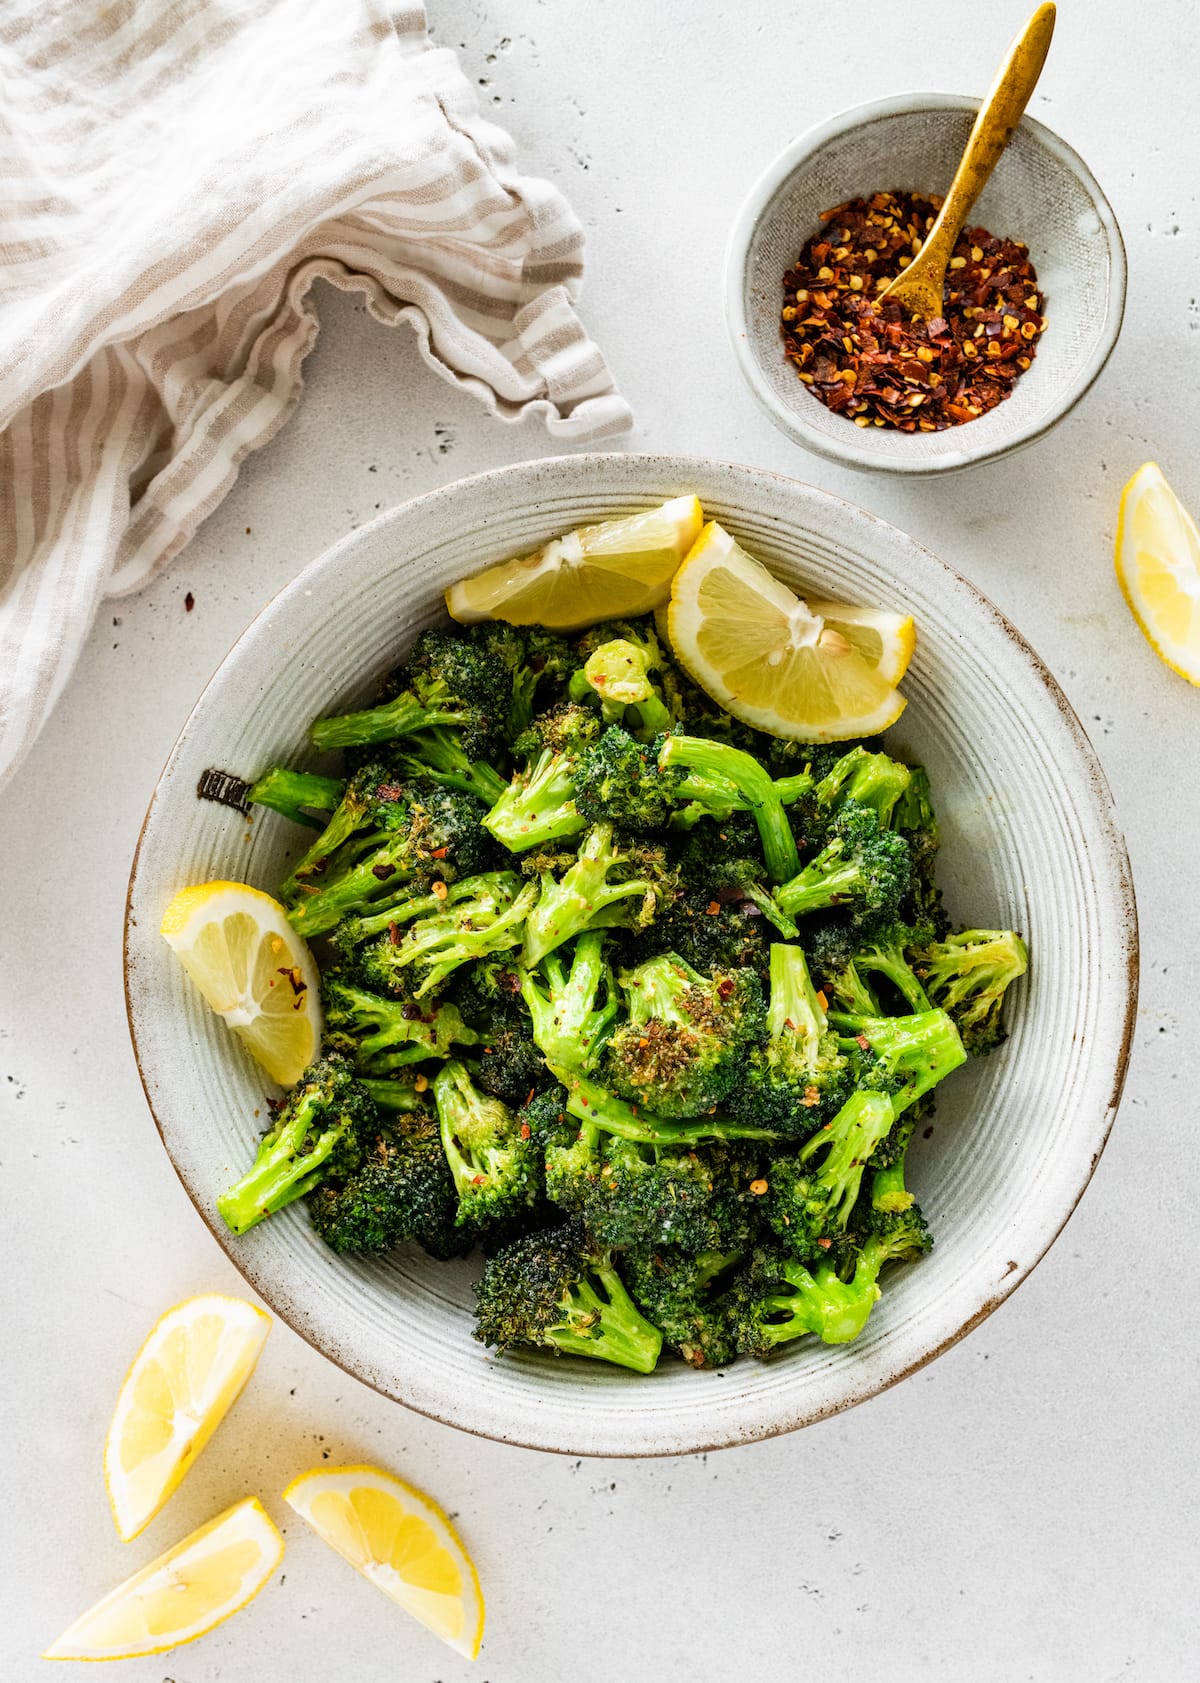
183	1594
1158	567
773	660
253	969
614	570
399	1540
183	1382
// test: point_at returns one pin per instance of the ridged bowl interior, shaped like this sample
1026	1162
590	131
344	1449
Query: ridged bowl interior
1029	841
1041	192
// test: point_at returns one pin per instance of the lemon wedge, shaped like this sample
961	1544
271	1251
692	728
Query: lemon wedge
774	661
401	1542
183	1382
610	571
1158	568
253	969
183	1594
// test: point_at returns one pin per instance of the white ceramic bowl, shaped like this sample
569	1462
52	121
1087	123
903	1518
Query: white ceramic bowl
1029	841
1041	192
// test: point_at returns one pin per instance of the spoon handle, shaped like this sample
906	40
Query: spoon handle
998	117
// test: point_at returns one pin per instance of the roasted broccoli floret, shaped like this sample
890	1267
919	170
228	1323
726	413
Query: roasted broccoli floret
402	1189
721	859
386	1034
629	1194
680	1049
908	1055
861	866
885	957
619	675
384	840
798	1080
780	1299
610	883
810	1196
618	780
561	1289
969	974
301	796
572	1009
538	807
539	664
319	1131
755	787
438	754
871	780
496	1164
428	939
915	820
686	1295
448	679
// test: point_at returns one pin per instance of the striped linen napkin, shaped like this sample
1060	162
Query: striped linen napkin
174	175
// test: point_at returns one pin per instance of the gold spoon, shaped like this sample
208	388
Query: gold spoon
920	287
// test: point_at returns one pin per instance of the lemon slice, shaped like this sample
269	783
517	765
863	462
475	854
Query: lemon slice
399	1540
183	1594
772	661
253	969
1158	567
885	640
610	571
184	1379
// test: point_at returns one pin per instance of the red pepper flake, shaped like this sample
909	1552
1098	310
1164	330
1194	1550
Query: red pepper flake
390	792
439	890
526	1130
713	908
394	934
292	972
824	1244
439	852
863	1042
478	1180
864	360
725	987
822	1001
189	602
811	1096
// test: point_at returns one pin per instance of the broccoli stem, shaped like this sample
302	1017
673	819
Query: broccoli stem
835	1310
400	717
824	881
718	759
888	1191
596	1107
610	1326
438	754
538	806
568	1024
281	1172
301	796
794	1007
918	1051
392	1095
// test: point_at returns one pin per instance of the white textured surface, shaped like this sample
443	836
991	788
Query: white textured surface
1021	1509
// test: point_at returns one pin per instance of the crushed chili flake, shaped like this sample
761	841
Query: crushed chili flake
862	359
389	792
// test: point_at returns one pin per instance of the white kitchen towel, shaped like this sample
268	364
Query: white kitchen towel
174	175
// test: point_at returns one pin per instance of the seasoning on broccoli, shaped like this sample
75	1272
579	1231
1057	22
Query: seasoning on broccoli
680	1049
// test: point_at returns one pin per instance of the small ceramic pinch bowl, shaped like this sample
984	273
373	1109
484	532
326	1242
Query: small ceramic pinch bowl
1028	842
1041	193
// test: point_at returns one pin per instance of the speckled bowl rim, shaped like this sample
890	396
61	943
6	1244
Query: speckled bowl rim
324	568
852	454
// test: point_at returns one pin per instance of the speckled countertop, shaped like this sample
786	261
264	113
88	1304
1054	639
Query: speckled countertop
1019	1510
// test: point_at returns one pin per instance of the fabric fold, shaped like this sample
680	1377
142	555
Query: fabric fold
173	179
